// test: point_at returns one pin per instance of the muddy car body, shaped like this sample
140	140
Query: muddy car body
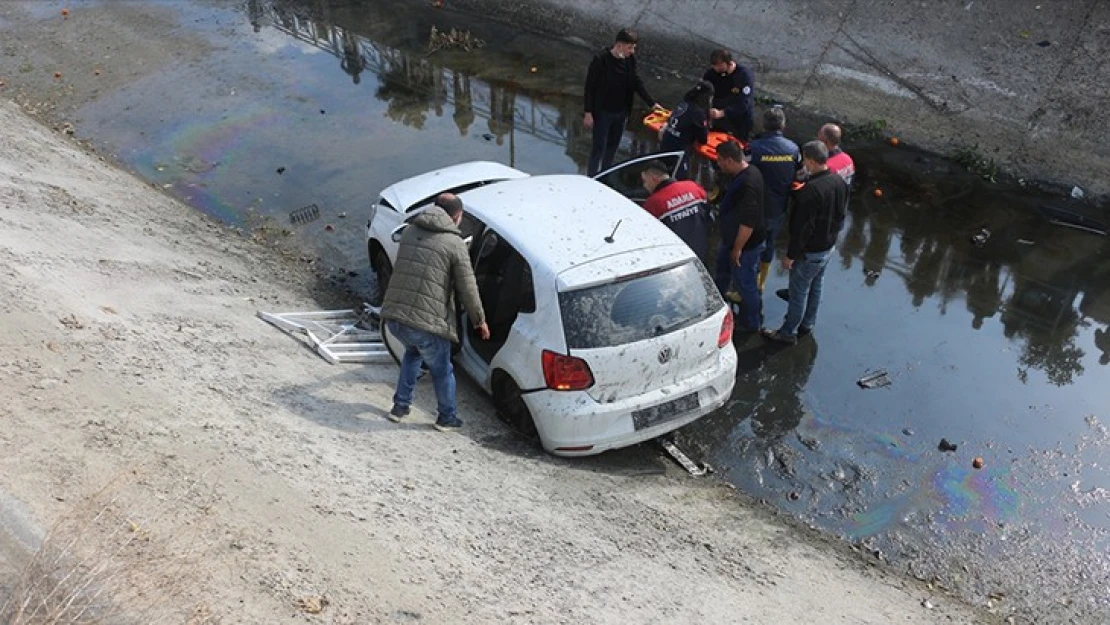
606	329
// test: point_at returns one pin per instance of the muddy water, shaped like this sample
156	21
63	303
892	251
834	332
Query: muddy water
1000	348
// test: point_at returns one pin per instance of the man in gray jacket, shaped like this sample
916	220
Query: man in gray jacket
432	267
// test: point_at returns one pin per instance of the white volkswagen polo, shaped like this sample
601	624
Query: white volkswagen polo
606	330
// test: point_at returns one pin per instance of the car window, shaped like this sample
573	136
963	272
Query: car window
455	190
625	178
638	307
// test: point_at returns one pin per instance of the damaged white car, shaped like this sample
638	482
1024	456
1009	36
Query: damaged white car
606	330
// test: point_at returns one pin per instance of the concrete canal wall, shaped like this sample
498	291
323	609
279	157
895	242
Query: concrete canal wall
1022	82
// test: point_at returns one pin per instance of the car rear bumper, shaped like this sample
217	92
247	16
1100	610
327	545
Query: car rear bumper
575	424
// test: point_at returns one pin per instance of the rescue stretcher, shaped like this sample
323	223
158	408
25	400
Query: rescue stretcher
658	118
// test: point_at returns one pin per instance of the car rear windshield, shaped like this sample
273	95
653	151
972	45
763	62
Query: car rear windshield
638	307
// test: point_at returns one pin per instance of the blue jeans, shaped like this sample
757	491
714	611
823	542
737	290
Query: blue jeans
422	347
608	129
744	278
770	232
806	278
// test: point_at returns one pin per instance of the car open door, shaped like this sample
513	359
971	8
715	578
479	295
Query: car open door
624	178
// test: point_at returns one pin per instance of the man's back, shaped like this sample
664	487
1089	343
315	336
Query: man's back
432	263
681	206
818	214
778	159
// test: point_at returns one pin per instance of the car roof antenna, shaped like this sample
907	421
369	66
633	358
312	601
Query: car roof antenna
609	239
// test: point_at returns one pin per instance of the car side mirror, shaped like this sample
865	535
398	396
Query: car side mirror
395	236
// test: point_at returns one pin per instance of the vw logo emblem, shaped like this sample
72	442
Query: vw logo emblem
665	355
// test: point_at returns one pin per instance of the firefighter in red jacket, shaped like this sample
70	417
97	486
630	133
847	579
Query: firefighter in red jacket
679	204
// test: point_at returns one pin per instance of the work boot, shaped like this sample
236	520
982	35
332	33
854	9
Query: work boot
764	269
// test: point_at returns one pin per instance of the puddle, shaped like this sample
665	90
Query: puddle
1000	345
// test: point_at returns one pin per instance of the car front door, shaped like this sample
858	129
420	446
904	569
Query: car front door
625	177
505	287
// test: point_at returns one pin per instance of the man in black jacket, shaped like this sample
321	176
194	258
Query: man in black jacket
610	83
817	214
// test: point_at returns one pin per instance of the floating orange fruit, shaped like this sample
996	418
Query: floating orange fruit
977	463
57	74
894	141
878	193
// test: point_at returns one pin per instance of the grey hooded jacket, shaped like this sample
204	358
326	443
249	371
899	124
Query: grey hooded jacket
432	267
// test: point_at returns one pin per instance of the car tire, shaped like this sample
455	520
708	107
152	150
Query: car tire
383	272
511	409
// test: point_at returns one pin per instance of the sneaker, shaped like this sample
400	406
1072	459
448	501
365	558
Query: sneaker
784	294
778	337
449	426
397	413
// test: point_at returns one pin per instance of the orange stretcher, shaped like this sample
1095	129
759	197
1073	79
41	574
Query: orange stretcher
658	118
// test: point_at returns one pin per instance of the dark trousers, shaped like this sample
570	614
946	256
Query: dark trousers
608	128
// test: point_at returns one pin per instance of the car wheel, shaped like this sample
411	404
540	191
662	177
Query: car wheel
510	405
383	271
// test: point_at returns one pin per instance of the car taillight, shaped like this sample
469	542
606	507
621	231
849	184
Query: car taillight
726	330
566	373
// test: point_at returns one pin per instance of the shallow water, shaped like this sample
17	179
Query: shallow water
1001	349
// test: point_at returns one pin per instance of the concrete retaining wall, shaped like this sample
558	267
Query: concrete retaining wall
1023	82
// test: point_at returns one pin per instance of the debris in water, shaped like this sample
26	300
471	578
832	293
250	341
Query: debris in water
1044	44
980	238
454	38
793	496
1025	242
487	136
280	170
878	192
342	215
928	605
1072	219
305	214
682	459
977	463
871	275
907	431
329	227
874	379
65	12
1077	193
946	446
57	74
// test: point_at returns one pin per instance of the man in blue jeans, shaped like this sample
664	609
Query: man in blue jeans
816	217
432	268
611	81
741	228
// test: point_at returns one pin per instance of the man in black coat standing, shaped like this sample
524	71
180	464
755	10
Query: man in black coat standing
610	83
